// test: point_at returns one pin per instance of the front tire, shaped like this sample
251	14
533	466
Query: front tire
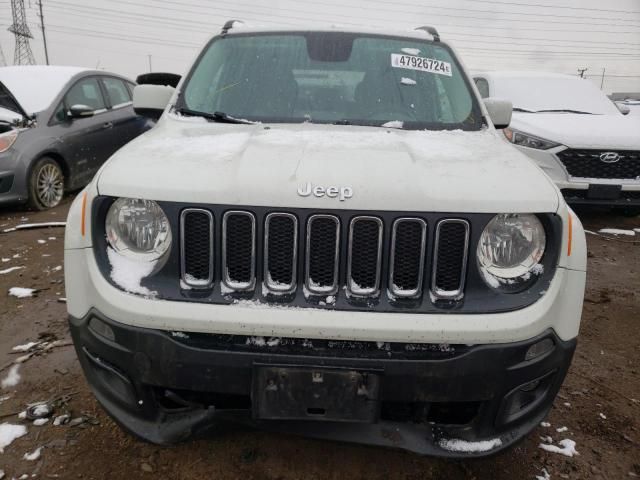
46	184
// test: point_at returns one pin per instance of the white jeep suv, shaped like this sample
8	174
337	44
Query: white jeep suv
325	234
574	132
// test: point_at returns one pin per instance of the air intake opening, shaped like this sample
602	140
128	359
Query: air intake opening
408	244
450	259
281	252
364	255
239	250
323	233
196	229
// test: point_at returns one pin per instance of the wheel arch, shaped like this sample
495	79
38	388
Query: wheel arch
53	155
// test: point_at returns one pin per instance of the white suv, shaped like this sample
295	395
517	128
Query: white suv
325	234
574	132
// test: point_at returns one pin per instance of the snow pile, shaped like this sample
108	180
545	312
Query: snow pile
26	347
9	270
617	231
8	433
566	447
33	456
457	445
21	292
12	378
128	274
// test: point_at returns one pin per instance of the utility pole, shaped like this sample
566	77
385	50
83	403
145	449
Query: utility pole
3	61
149	63
602	82
22	54
44	37
581	72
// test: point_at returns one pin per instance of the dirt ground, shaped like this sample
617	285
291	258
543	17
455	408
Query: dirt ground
598	402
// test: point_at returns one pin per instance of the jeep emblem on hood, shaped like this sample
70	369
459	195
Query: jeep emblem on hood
331	191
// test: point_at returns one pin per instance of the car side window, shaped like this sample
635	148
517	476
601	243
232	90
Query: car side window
60	115
86	92
117	91
483	87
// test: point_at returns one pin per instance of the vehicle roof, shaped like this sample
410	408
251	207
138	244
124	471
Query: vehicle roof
36	86
522	74
240	27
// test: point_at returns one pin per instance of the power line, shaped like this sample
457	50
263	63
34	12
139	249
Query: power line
556	6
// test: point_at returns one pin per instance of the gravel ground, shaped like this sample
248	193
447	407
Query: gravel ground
598	403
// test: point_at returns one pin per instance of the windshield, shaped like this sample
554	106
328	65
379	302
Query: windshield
537	94
332	77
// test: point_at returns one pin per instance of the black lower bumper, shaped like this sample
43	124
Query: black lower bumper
451	401
602	195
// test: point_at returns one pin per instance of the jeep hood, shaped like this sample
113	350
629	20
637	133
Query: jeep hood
609	132
187	160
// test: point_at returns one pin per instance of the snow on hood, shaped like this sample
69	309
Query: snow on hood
36	87
615	132
446	171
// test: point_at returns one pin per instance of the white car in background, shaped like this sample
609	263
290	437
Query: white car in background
574	132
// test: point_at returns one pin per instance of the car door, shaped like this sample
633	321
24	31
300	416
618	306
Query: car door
126	124
83	139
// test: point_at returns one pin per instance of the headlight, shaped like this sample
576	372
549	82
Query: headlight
527	140
7	139
138	229
510	249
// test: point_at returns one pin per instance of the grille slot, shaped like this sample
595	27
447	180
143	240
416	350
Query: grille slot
239	250
323	248
281	252
408	246
364	256
196	244
587	164
450	259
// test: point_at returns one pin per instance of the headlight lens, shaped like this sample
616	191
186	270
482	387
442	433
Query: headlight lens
7	139
138	229
527	140
510	248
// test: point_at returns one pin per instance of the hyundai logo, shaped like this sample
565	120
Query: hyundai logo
609	157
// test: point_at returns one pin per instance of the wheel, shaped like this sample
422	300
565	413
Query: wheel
46	184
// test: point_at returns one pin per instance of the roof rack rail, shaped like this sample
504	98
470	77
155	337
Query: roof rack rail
434	33
229	25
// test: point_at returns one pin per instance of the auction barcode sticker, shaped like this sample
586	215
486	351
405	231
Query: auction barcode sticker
413	62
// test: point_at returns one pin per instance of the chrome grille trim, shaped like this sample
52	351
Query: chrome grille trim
317	289
457	294
192	282
352	287
398	292
268	281
227	280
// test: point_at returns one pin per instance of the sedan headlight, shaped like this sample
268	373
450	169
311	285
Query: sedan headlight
527	140
510	249
7	139
138	229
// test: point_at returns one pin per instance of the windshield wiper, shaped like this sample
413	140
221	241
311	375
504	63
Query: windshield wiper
220	117
561	110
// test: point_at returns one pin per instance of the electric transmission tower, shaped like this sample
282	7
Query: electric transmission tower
22	54
3	61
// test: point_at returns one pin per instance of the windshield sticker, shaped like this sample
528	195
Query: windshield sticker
422	64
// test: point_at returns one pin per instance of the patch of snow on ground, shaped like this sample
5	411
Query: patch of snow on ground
457	445
561	429
12	378
33	456
411	51
567	448
393	124
567	404
61	419
547	439
617	231
603	416
545	475
42	242
5	260
9	270
128	273
8	433
545	424
408	81
20	292
26	347
38	422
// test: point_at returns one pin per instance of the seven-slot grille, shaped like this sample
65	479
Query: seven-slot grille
587	164
315	252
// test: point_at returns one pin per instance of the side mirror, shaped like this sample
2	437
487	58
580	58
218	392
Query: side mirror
80	111
624	109
151	100
499	112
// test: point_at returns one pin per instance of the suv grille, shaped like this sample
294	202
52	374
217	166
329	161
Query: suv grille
371	255
587	164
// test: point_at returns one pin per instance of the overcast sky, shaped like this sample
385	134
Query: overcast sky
544	35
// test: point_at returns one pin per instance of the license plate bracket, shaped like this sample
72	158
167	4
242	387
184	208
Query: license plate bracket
315	393
603	192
